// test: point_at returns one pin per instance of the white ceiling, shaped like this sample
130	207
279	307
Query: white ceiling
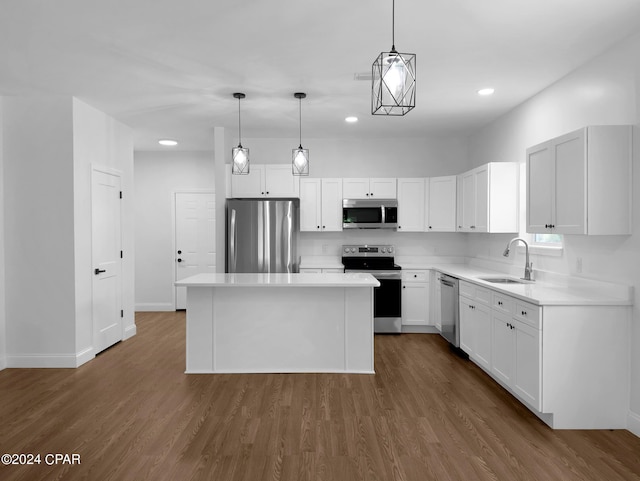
168	68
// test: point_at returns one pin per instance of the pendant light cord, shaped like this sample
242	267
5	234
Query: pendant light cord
239	126
393	25
300	119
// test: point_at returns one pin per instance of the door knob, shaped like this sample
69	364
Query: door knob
97	271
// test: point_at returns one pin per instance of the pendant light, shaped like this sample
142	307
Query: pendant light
300	156
239	155
393	88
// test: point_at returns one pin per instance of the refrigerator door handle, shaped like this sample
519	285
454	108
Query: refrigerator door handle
234	235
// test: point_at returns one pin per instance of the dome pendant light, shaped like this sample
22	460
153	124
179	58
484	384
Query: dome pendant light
393	88
239	155
300	156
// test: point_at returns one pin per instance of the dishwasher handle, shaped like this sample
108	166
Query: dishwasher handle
446	282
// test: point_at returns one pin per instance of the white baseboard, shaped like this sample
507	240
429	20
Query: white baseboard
129	332
42	361
155	306
3	363
55	361
633	423
85	356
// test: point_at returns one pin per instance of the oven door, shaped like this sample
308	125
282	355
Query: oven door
387	301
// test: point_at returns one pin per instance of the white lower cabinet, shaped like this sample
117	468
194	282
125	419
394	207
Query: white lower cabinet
475	324
415	298
502	335
436	312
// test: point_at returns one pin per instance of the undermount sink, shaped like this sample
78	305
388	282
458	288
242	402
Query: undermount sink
502	280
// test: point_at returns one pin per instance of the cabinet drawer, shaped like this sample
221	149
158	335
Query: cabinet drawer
415	276
467	289
503	303
477	293
528	313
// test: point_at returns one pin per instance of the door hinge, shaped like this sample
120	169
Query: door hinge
120	254
121	194
121	313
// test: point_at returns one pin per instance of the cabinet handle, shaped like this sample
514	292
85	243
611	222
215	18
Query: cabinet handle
399	227
524	313
317	227
371	194
324	226
499	303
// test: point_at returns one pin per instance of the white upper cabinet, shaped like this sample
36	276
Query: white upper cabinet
411	204
365	188
580	182
320	205
441	204
266	180
488	198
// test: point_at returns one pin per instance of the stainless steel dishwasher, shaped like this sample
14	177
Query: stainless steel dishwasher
450	310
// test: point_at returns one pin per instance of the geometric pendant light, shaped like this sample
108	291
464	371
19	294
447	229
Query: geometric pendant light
393	88
300	156
239	155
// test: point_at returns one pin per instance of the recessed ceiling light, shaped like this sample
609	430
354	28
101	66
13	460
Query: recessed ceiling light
351	119
167	142
487	91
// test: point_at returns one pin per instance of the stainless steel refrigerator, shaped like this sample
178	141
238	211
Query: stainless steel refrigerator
262	235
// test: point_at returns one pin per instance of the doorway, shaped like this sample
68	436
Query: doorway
195	238
106	244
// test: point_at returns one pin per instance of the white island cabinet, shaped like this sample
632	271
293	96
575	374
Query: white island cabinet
279	323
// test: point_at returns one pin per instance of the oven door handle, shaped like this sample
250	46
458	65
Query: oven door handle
386	275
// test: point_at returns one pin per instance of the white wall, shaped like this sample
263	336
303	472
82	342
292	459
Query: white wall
100	141
158	175
38	222
411	157
604	91
3	329
50	145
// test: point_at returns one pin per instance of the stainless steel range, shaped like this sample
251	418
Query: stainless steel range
378	260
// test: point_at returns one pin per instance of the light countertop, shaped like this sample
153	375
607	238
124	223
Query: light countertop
571	293
280	280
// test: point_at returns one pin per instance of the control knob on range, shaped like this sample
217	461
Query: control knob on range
390	249
346	250
384	250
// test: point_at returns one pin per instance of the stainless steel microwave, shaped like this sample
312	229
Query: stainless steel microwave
369	214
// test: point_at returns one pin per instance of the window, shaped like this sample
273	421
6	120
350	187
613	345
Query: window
547	240
547	244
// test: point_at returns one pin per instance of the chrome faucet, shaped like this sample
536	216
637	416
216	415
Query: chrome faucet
527	264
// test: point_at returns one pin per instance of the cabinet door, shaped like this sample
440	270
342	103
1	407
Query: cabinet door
481	181
355	188
436	312
331	205
482	339
540	186
467	202
527	351
280	181
466	325
415	304
250	185
570	184
502	352
442	204
382	188
411	205
310	204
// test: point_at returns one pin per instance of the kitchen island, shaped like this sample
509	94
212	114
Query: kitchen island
279	323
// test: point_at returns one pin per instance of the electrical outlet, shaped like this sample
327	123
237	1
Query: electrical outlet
578	265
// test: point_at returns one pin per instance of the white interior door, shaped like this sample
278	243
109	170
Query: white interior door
106	257
195	238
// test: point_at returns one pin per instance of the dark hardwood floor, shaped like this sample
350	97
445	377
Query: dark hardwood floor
132	414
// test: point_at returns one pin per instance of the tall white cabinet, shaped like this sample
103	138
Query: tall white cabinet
580	182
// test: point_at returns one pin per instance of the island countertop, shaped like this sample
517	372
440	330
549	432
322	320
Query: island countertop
280	280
